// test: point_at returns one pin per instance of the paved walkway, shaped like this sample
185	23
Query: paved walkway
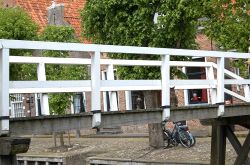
129	148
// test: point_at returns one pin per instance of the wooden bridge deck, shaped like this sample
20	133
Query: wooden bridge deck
48	124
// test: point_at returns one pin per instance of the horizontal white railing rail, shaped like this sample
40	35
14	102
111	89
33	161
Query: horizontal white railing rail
85	61
106	85
40	45
96	85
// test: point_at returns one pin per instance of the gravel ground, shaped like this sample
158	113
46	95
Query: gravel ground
131	148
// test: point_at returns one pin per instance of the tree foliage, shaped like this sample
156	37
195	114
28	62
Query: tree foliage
125	22
229	25
16	24
60	102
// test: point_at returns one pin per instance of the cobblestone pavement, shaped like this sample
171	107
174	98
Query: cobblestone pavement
131	148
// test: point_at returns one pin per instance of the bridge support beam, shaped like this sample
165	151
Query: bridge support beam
222	129
10	146
218	145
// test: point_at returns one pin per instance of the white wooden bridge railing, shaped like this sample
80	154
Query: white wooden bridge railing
96	85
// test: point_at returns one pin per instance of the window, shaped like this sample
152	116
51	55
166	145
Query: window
16	105
137	100
79	103
197	96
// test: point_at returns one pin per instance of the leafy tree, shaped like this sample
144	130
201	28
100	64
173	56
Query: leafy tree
60	102
228	24
125	22
15	23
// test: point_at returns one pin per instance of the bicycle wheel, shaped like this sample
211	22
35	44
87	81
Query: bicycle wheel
185	139
193	139
167	138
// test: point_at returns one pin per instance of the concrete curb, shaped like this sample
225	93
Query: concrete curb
115	161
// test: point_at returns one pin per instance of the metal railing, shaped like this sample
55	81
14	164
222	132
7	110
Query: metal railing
96	85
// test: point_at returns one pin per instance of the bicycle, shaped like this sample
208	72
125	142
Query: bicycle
179	134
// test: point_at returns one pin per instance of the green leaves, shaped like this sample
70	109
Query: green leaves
228	24
59	103
58	34
15	23
125	22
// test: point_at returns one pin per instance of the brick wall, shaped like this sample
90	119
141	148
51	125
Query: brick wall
29	105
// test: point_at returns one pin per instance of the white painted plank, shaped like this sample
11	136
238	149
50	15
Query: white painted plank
238	82
49	86
194	87
212	90
18	44
112	94
95	88
44	98
247	92
229	73
4	90
185	91
85	61
106	85
49	60
165	87
220	84
128	99
41	45
236	95
50	90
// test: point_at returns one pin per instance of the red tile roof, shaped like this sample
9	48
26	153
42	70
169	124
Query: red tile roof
37	9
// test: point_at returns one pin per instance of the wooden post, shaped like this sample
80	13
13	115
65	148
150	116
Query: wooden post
7	159
242	157
218	145
235	142
155	135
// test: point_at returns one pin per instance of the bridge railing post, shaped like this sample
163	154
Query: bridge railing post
220	85
112	94
247	92
4	91
44	100
185	91
210	71
95	89
165	87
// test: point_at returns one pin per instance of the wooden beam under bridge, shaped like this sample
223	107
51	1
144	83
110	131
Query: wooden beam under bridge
222	129
48	124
